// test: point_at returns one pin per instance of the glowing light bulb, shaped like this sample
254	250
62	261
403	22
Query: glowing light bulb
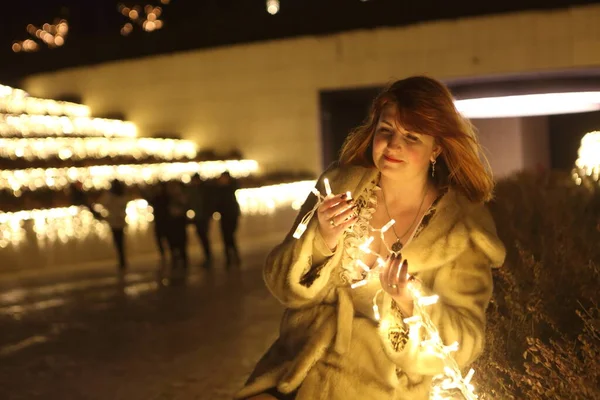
272	6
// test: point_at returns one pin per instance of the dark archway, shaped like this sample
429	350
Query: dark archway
342	111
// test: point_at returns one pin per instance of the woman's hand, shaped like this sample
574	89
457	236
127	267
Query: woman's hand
394	280
335	215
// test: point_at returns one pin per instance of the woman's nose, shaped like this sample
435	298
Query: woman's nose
395	141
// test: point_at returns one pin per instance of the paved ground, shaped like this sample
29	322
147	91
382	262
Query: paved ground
70	333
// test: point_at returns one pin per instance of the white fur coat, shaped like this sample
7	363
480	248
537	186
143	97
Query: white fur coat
330	346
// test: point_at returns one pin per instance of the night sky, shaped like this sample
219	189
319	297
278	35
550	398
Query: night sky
94	34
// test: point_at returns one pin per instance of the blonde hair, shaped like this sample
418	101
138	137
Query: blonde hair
426	106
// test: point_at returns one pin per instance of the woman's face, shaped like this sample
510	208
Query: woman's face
401	154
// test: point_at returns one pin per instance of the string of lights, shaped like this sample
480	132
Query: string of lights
91	147
52	35
101	176
50	125
422	332
9	91
67	223
16	101
587	165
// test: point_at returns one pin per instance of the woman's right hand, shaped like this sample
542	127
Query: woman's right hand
335	214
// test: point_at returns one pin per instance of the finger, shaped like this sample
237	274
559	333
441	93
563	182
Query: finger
383	275
399	278
346	213
337	210
403	273
347	223
332	201
386	266
393	271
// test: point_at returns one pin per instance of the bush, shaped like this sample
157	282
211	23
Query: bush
543	333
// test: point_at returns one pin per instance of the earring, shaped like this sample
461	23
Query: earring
433	168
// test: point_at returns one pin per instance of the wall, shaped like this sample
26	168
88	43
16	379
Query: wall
263	97
536	143
514	144
502	144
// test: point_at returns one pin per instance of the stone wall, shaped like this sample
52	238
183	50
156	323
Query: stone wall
263	98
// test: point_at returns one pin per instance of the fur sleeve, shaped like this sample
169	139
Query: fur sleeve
293	274
464	287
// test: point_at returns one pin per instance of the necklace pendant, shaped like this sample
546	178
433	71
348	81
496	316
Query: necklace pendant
397	246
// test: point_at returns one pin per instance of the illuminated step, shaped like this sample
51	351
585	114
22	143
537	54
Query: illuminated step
66	223
7	91
267	199
50	125
74	222
91	147
17	101
100	176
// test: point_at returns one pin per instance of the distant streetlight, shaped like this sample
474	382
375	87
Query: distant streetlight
272	6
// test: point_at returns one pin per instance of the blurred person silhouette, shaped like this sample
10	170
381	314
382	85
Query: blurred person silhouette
159	201
226	204
78	197
177	223
115	203
201	203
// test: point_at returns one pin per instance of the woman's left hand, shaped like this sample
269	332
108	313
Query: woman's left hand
394	280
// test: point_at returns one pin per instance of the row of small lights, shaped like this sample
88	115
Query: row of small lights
17	101
587	165
66	223
72	221
52	125
75	222
63	118
149	22
101	176
82	148
53	35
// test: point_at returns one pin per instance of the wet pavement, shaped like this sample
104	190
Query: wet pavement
85	332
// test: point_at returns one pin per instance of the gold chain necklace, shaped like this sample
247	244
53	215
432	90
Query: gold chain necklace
397	245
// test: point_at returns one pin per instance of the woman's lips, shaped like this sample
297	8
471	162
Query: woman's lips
392	160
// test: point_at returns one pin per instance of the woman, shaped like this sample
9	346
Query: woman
226	204
115	203
159	201
201	198
416	161
177	224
